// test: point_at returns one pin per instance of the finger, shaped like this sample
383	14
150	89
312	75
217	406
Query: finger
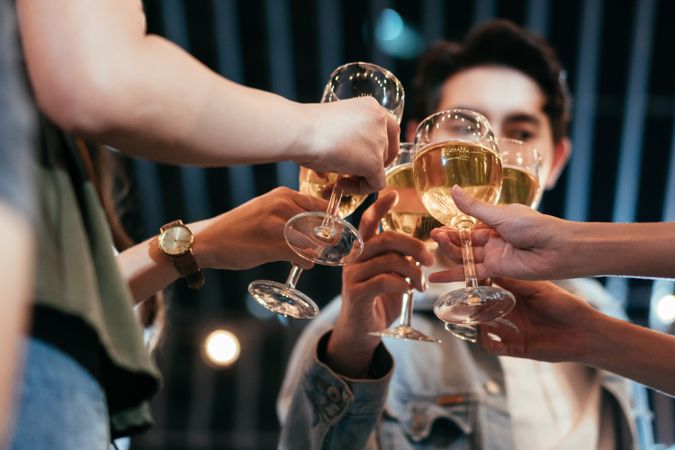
382	284
489	214
479	236
391	263
297	260
309	203
355	185
371	217
393	134
390	241
526	288
449	250
374	182
491	341
447	276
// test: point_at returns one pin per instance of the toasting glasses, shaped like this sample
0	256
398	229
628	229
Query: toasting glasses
326	238
521	183
408	217
458	147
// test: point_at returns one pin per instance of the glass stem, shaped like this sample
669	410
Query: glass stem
293	276
406	307
333	207
467	254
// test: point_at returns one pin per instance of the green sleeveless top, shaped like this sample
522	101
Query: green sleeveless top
79	289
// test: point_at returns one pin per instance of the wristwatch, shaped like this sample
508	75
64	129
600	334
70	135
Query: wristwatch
175	241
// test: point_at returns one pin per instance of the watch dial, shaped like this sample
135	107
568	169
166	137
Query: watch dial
176	240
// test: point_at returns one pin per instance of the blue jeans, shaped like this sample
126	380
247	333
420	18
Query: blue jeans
61	406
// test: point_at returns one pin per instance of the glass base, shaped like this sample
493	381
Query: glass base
282	299
469	333
474	306
462	331
334	246
405	332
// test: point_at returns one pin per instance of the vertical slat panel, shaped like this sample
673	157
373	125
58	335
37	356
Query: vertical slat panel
538	16
628	179
331	52
433	15
230	65
484	10
665	287
579	187
378	57
282	73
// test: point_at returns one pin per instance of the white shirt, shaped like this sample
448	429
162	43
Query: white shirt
554	406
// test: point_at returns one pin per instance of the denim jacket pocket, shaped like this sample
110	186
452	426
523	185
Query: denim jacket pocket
417	416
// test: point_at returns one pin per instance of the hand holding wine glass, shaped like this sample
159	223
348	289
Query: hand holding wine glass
326	238
372	288
521	183
515	241
408	217
285	298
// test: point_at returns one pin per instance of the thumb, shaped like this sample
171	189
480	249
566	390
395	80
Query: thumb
371	217
490	215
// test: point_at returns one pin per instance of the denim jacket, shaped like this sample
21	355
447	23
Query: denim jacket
448	396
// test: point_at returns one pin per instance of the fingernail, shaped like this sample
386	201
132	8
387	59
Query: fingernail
458	191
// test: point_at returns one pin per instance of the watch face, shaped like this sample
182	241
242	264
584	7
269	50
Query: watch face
176	240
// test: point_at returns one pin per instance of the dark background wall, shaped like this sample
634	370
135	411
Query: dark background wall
618	55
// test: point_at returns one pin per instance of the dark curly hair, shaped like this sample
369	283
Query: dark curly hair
502	43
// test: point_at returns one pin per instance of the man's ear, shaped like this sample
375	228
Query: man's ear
410	128
561	154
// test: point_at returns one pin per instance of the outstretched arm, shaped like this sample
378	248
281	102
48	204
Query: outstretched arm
522	243
555	325
245	237
97	74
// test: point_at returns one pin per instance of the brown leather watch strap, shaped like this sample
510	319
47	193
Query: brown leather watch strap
187	266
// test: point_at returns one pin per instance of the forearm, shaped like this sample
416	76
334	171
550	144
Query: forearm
634	352
144	94
15	276
350	350
631	249
146	269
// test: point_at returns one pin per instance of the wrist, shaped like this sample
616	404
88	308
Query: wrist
349	352
305	146
596	336
201	247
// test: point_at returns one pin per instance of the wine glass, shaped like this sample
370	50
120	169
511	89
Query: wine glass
285	298
521	183
408	217
325	238
458	147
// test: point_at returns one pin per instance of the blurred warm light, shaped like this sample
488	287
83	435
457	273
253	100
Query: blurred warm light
221	348
665	309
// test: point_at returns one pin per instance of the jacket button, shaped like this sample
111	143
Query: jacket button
333	394
492	388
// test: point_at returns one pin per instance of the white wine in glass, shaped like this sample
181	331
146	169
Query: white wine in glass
477	169
518	186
